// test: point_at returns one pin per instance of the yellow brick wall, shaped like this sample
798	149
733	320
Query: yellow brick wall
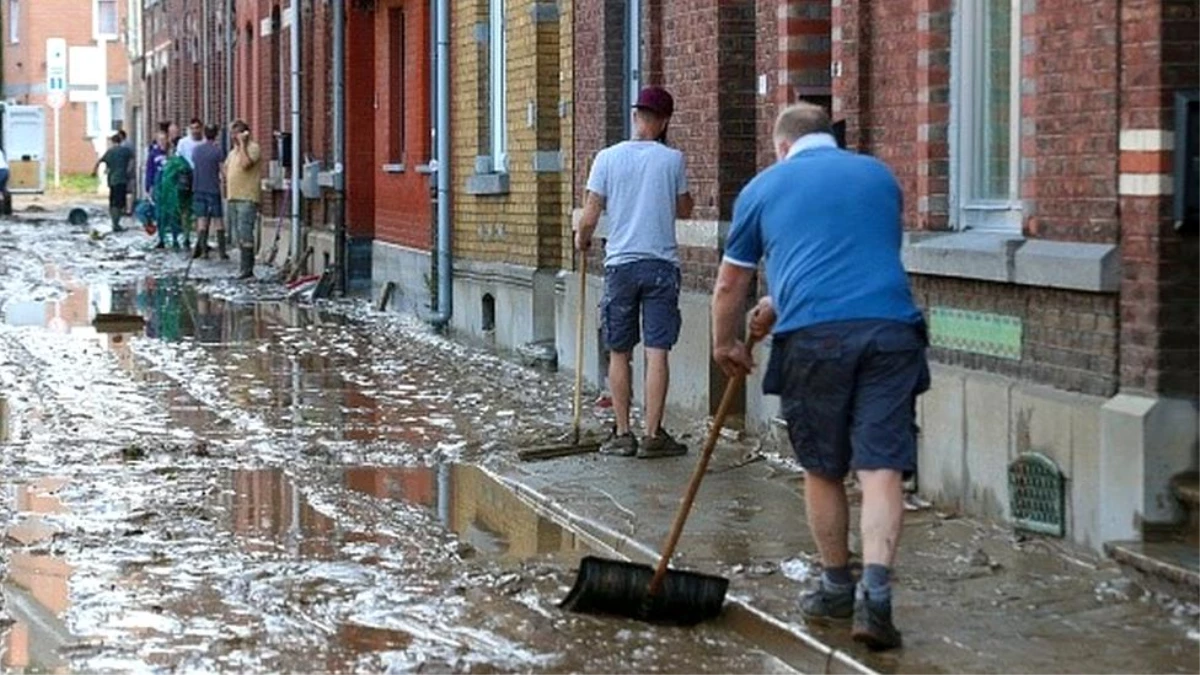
524	226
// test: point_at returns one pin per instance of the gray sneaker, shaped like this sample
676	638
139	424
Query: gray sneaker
828	603
873	625
660	445
620	445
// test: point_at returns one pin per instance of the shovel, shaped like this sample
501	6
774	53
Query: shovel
658	595
575	447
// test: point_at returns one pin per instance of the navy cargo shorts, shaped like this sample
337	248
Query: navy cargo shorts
648	287
848	392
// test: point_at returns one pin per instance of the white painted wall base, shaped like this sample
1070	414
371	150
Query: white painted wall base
523	299
409	269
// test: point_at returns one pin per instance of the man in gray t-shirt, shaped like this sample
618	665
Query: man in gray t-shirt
642	184
208	179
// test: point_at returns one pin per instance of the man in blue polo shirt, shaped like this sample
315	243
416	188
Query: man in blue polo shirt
848	349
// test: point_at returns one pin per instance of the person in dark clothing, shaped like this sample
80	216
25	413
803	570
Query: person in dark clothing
156	159
208	179
119	163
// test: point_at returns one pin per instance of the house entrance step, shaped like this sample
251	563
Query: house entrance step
1169	567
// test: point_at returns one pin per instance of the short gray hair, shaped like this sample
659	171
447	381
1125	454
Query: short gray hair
800	119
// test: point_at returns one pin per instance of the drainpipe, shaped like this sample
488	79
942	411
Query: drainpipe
297	158
338	7
229	28
205	63
445	306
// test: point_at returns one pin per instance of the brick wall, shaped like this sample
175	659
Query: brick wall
403	213
894	92
24	75
525	225
1160	328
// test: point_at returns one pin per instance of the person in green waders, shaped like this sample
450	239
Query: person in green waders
173	199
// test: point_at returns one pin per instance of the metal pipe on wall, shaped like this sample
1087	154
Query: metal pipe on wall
205	61
230	26
338	7
445	288
297	158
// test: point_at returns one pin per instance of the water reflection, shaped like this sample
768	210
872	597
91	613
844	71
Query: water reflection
271	515
480	510
37	590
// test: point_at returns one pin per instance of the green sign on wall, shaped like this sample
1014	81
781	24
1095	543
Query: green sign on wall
976	332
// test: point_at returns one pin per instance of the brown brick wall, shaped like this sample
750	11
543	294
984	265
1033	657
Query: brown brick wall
1069	338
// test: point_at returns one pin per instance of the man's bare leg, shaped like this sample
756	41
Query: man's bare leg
882	519
620	382
658	379
828	518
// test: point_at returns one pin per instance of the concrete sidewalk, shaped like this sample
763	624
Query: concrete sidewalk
970	596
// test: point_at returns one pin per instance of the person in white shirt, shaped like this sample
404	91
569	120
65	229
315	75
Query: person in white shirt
187	144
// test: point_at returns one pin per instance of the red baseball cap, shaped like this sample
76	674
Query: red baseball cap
656	100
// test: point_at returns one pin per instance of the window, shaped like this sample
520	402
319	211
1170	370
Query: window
93	119
396	86
498	71
633	58
106	23
14	21
117	108
987	159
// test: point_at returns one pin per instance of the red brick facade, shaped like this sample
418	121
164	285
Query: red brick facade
24	70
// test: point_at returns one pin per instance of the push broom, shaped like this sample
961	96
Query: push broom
659	594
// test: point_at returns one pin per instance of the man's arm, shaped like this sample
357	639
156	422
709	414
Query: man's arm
249	156
592	208
684	205
729	297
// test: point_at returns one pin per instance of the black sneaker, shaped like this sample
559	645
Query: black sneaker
828	603
873	625
620	445
660	445
160	245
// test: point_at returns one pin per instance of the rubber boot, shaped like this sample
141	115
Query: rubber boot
116	214
221	245
201	245
246	268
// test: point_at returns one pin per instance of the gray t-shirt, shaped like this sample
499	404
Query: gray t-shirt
640	181
207	159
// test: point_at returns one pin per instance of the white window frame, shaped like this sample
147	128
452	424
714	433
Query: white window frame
116	31
113	107
14	21
92	119
498	89
968	211
633	58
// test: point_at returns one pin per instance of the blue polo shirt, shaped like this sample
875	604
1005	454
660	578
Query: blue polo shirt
829	223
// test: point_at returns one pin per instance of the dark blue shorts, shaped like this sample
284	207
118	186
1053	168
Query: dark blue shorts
648	287
848	392
207	205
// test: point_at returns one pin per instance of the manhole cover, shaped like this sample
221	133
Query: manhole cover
1037	493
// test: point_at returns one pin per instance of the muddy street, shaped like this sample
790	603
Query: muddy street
241	482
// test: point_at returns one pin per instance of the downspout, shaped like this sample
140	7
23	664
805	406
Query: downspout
342	255
445	290
229	28
205	62
297	158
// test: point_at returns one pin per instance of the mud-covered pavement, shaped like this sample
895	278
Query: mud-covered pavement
253	485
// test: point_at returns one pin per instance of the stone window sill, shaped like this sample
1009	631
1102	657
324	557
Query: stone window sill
393	168
487	184
1010	258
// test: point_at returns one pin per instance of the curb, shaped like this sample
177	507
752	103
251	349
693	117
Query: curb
784	640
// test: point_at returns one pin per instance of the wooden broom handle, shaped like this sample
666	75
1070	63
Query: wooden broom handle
578	412
685	507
